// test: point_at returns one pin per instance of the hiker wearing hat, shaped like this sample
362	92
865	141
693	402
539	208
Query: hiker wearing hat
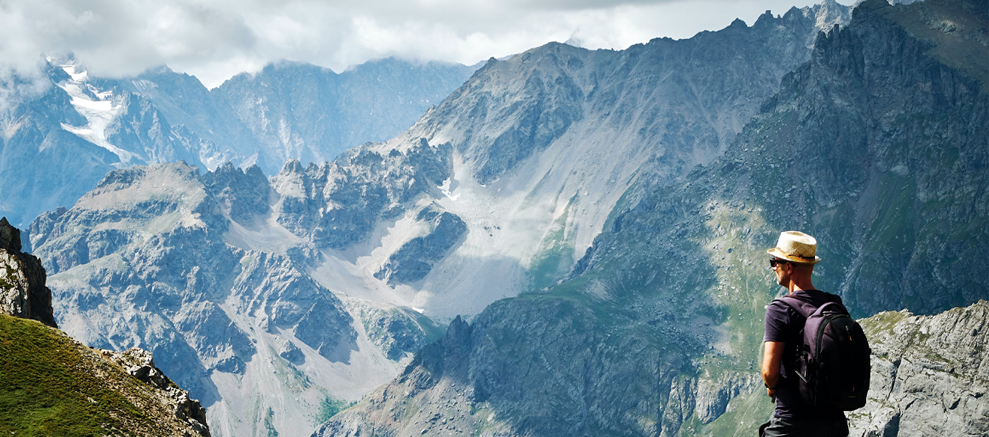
793	260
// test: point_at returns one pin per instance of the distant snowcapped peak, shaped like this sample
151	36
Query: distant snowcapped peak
96	106
72	71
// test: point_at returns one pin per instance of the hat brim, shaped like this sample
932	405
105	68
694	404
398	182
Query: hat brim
779	254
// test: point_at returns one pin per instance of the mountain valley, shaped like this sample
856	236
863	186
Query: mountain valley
570	243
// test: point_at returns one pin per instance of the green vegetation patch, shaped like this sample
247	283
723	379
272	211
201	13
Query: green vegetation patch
744	415
329	407
46	389
269	426
555	255
882	323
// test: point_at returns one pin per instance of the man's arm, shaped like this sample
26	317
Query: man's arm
771	356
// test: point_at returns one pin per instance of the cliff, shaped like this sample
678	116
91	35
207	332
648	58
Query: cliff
22	280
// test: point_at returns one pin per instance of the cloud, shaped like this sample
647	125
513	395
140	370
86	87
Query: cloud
214	40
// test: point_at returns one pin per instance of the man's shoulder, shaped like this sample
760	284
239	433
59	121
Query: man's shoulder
780	311
815	297
777	305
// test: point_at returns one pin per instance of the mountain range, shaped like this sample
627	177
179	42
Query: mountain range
87	125
589	224
278	300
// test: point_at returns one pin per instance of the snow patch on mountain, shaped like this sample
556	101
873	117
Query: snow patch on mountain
99	108
447	189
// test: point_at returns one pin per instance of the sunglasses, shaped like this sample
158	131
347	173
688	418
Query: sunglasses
773	262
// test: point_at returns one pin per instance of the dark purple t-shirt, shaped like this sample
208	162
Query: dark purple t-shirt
783	324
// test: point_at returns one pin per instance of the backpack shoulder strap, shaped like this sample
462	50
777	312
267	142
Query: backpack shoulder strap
801	306
806	309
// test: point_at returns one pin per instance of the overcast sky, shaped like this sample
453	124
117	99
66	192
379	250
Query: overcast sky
215	39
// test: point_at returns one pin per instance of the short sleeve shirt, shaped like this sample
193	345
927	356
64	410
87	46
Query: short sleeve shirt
783	324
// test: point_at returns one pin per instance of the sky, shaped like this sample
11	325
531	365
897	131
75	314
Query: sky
216	39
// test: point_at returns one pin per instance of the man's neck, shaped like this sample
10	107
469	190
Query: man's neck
800	285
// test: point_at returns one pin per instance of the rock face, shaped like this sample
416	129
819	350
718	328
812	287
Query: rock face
338	204
23	292
188	267
658	329
930	375
398	331
416	257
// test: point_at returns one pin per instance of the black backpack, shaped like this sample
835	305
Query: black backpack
833	358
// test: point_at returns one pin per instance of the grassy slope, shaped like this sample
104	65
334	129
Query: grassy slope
48	386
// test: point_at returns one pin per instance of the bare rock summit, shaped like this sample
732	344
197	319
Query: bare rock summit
22	280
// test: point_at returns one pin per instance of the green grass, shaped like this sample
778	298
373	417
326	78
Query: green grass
329	407
745	413
46	389
555	254
269	426
882	323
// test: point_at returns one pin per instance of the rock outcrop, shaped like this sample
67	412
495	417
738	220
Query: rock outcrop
398	331
23	292
53	383
140	364
930	374
415	258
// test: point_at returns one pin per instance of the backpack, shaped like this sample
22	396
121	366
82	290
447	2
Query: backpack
833	358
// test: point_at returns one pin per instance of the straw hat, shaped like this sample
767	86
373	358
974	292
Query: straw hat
797	247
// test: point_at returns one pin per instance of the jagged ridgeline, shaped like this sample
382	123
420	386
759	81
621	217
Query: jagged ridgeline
877	146
86	125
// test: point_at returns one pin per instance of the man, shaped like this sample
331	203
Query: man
793	261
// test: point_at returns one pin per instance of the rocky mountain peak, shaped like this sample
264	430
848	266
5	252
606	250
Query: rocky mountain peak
22	280
10	237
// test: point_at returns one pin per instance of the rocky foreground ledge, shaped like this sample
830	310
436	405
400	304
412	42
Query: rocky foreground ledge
54	385
50	384
930	374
